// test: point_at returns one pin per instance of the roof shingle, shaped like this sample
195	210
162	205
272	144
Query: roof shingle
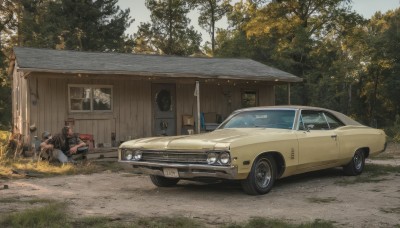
57	61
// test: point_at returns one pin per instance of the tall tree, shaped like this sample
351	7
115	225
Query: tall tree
8	24
379	78
76	25
169	31
211	11
38	26
291	35
233	41
8	19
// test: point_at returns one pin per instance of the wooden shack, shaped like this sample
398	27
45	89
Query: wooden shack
116	97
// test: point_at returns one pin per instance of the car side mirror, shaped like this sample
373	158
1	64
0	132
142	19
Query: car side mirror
309	127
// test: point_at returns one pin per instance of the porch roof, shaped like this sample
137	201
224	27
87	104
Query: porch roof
61	61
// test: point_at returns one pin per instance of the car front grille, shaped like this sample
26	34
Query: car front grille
175	156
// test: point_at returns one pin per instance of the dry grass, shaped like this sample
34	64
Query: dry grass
21	168
11	168
4	136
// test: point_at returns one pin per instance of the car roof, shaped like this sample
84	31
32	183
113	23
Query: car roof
342	117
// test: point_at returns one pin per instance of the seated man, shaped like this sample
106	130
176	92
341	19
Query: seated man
64	145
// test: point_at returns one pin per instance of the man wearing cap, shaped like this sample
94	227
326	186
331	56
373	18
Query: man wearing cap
64	145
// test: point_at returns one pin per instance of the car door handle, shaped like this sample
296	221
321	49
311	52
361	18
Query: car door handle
334	137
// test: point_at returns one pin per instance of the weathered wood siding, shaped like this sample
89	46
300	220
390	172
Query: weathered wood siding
20	104
131	115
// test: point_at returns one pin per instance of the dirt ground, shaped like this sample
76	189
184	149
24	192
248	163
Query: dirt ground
301	198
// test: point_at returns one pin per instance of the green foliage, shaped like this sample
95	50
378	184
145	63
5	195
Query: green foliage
394	131
56	215
52	215
347	63
168	222
4	137
7	25
92	222
259	222
74	25
210	12
5	100
169	32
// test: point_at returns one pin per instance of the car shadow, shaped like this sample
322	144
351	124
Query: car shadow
214	187
325	174
222	187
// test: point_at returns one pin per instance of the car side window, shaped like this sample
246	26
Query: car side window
333	121
313	120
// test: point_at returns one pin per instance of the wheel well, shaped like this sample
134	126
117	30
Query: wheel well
280	162
365	150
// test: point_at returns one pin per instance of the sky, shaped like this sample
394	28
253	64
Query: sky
140	13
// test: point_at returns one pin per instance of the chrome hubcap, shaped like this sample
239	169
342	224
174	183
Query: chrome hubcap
263	174
357	161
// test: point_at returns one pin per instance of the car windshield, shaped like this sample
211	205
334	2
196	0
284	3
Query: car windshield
282	119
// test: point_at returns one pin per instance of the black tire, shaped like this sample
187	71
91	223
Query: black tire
356	165
261	177
161	181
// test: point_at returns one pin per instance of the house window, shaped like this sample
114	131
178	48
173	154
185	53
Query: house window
90	98
249	98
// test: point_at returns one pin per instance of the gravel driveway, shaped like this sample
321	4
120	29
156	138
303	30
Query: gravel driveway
323	195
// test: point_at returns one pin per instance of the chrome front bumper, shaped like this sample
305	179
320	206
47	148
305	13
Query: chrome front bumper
186	171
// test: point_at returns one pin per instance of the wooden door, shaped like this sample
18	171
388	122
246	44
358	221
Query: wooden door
164	109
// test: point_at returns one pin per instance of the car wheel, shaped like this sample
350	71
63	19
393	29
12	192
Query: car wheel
161	181
356	165
261	177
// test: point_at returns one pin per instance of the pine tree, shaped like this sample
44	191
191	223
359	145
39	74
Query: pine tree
168	32
211	11
75	25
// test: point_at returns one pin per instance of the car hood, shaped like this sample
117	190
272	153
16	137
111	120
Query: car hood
218	139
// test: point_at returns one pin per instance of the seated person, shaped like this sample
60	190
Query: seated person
64	145
46	150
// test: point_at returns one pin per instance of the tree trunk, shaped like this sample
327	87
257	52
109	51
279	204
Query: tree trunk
169	48
212	24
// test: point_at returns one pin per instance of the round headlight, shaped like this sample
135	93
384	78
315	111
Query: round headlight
224	158
128	155
211	158
137	155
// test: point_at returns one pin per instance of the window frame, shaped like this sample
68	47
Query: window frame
319	112
91	97
333	117
324	114
243	91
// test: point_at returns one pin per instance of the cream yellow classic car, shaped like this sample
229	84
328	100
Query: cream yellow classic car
256	146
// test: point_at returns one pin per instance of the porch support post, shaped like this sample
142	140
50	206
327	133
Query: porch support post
197	94
288	89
